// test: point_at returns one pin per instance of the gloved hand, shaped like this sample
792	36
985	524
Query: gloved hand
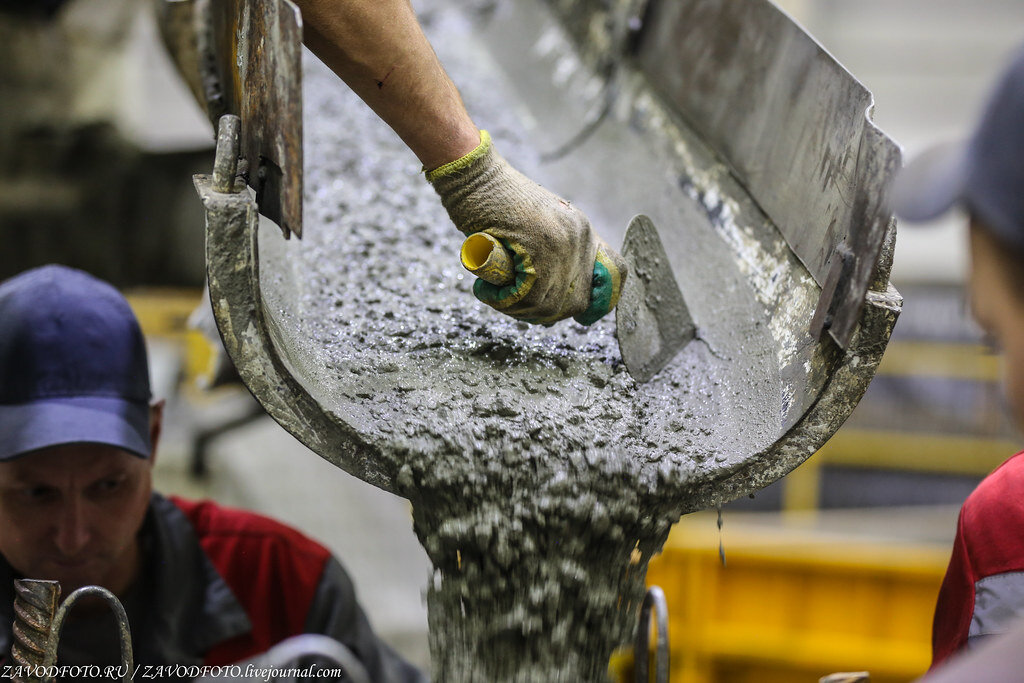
563	269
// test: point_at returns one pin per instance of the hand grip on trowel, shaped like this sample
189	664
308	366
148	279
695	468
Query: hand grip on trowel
652	320
484	256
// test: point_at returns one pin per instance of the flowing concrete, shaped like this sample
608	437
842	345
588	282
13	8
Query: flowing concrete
542	476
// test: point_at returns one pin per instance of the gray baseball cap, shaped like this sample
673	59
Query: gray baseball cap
984	174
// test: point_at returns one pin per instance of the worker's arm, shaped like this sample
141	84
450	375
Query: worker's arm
563	268
378	48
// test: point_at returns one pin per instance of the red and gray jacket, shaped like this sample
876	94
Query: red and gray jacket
222	585
982	593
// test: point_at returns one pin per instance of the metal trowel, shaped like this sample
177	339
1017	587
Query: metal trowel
652	321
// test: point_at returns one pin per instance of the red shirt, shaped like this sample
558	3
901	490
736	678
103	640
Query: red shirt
982	593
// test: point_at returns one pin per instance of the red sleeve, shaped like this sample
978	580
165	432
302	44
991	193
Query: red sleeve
989	541
272	569
955	604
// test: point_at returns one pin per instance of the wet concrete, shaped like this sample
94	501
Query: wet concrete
378	314
542	476
531	456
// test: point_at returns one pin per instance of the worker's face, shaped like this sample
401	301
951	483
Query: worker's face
999	309
72	513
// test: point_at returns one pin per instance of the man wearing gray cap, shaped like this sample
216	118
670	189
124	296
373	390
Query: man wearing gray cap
982	593
201	584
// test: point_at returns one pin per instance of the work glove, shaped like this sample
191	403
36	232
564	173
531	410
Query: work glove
562	268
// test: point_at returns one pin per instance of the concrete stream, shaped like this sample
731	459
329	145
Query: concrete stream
542	476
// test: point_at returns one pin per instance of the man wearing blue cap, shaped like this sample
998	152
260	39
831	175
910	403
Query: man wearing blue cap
78	435
983	591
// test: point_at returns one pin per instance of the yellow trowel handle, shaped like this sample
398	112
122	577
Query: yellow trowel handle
486	257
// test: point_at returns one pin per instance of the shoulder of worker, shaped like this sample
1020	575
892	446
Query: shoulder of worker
240	544
221	528
273	571
284	582
992	520
1002	491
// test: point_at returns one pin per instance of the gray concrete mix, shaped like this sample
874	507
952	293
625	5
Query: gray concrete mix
530	454
542	476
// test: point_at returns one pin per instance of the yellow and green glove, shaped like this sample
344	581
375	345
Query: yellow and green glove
562	268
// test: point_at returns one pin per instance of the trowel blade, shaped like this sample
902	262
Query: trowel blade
652	320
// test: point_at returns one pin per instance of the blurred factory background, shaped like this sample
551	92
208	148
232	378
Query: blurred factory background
843	558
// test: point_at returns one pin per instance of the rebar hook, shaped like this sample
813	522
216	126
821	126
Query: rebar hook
655	598
38	622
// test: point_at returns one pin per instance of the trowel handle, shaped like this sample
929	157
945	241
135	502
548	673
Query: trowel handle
486	257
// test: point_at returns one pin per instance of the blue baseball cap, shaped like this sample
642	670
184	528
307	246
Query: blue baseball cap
985	174
73	365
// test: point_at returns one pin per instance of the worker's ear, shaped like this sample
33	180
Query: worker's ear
156	423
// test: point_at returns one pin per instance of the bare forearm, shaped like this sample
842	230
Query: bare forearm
378	48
